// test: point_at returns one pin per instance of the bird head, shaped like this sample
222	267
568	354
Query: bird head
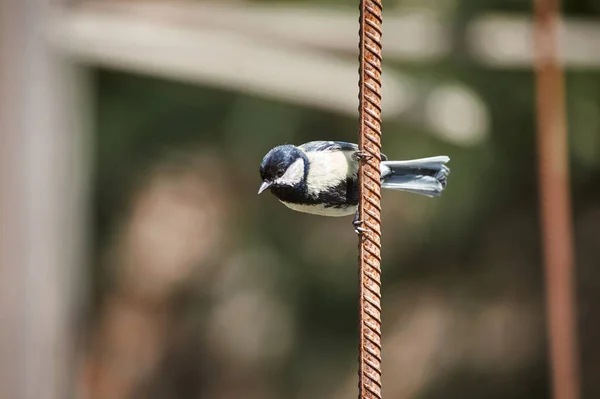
283	166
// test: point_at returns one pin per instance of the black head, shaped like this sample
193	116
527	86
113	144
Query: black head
283	166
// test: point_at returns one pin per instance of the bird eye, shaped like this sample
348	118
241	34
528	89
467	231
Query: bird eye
280	173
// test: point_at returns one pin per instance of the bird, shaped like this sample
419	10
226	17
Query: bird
321	177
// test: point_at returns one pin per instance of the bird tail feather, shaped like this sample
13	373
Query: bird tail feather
425	176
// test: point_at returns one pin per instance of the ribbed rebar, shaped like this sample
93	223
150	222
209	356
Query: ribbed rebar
369	378
555	203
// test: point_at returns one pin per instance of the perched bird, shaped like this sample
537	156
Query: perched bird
321	177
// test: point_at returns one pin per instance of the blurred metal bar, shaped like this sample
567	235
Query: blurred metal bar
555	203
42	218
369	375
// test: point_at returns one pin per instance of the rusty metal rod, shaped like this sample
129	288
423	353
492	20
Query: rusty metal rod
555	203
369	378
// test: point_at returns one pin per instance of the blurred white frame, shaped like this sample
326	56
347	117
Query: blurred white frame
44	188
298	54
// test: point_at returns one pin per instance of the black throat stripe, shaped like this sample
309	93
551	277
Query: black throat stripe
342	195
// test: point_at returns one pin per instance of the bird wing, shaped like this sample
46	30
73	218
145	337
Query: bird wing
328	146
322	146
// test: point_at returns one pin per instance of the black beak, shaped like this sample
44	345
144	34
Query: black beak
264	186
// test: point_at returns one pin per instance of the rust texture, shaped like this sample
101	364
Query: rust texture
369	385
555	203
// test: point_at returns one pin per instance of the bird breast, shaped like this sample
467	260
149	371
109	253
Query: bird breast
329	169
321	209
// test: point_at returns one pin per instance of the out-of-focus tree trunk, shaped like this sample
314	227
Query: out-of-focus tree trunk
43	176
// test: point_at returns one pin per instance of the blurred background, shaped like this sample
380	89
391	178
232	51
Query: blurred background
137	260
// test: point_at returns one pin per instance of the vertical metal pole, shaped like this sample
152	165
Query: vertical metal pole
369	385
555	203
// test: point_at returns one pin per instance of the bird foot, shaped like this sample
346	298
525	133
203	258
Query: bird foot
362	156
358	229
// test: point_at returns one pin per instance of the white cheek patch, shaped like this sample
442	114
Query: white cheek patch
293	175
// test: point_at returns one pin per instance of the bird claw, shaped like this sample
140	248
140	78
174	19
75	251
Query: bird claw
362	232
362	156
357	227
